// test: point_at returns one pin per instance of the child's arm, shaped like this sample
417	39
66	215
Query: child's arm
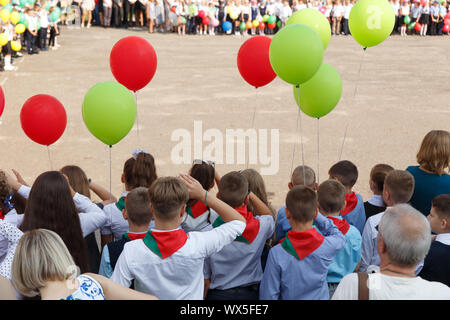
367	247
330	231
91	216
103	194
197	192
114	291
259	207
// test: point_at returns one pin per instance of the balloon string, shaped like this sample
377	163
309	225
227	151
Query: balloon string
301	135
318	150
253	124
137	121
110	174
49	158
295	144
354	97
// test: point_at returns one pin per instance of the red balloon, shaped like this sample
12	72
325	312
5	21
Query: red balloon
446	28
261	26
201	14
43	119
205	20
272	25
417	26
2	101
133	62
448	15
447	21
253	61
423	2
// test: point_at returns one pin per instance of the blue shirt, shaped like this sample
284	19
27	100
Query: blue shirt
287	278
347	259
426	187
357	217
282	225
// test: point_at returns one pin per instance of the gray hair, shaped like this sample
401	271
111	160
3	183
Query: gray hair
304	176
406	233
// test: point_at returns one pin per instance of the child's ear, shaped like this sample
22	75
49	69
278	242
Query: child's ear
122	178
182	210
316	213
124	214
444	224
288	213
217	195
290	185
247	198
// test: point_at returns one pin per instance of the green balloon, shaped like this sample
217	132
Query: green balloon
8	7
109	111
411	25
371	21
296	53
242	26
406	20
54	16
320	94
271	19
265	18
22	3
314	19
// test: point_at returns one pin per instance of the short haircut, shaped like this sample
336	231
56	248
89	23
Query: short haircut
434	152
441	205
301	202
344	171
406	234
331	196
304	176
167	196
41	256
137	204
378	174
233	189
400	185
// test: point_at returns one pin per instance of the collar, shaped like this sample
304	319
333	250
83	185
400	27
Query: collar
120	204
350	203
164	243
341	224
130	236
443	238
376	200
197	209
2	216
252	228
302	244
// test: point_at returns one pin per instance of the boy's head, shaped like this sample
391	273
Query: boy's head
331	197
439	217
377	176
168	197
398	187
303	176
233	189
345	172
137	207
301	204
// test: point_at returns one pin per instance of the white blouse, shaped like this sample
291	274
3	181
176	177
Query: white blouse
13	235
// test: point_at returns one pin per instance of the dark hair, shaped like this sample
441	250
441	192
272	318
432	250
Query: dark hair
378	174
140	172
331	196
441	205
233	189
50	206
5	191
137	204
345	172
128	171
204	174
301	202
77	179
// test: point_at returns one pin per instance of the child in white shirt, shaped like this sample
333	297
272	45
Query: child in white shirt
337	13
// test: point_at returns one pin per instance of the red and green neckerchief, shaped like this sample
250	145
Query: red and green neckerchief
302	244
120	204
251	230
165	243
130	236
341	224
350	203
2	216
197	209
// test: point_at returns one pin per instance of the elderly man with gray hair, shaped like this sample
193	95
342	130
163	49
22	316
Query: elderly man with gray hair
404	238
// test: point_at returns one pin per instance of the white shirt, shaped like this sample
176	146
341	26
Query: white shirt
286	12
404	10
179	276
376	200
347	10
384	287
91	216
369	253
443	238
12	218
43	18
338	11
13	235
299	7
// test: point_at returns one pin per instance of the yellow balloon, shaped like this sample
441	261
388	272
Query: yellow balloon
15	17
4	15
3	39
4	2
16	46
233	16
20	28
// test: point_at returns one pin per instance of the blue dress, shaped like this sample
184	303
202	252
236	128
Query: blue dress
426	187
89	289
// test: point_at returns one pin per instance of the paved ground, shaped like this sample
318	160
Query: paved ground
403	92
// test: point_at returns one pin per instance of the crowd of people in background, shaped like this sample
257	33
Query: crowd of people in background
204	235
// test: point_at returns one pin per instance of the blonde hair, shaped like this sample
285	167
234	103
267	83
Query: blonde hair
41	256
167	196
434	152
